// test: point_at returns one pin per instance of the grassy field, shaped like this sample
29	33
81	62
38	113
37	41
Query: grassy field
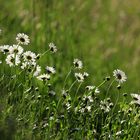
103	34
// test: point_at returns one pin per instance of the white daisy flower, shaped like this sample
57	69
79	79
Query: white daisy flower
85	74
29	56
64	93
22	39
88	108
105	106
89	88
88	98
135	102
111	105
51	93
50	70
31	67
15	49
12	60
24	65
135	96
78	63
79	77
119	75
44	77
52	47
97	90
29	64
82	110
37	71
4	49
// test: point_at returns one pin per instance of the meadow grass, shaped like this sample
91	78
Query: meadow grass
104	36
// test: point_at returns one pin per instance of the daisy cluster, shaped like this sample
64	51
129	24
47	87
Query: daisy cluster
26	60
78	109
85	102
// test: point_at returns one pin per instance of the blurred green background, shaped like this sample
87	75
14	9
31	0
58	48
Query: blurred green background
104	34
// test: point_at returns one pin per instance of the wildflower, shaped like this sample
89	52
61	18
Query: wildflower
47	108
64	93
12	60
28	65
79	77
110	105
52	47
88	108
88	98
0	61
49	85
105	106
36	89
22	39
52	93
136	98
39	97
119	75
15	49
24	65
50	70
38	56
82	110
97	90
89	88
129	110
125	94
4	49
44	77
107	78
108	100
78	63
29	56
37	71
85	74
119	87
